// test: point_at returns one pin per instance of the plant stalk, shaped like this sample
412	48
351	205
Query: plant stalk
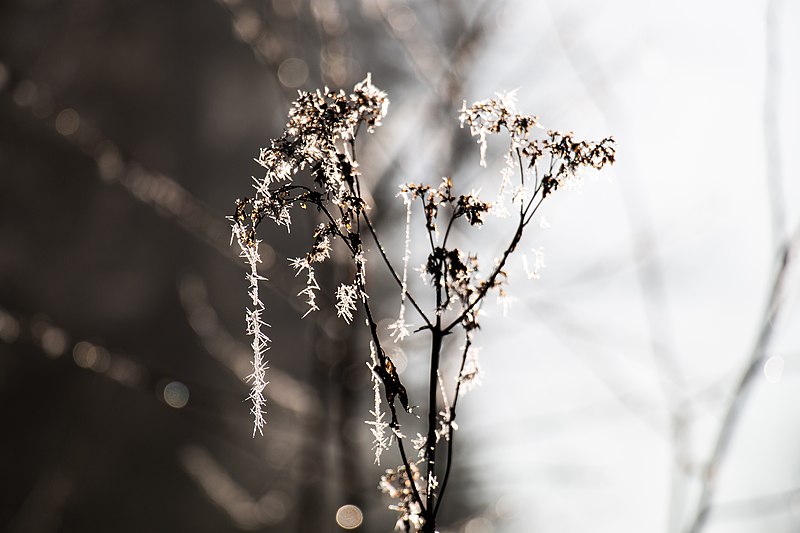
433	386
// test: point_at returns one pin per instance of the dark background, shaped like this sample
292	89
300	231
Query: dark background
127	129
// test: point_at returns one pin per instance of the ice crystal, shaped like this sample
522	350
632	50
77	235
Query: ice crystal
445	415
419	445
538	263
505	300
254	327
399	329
299	264
469	378
381	441
346	298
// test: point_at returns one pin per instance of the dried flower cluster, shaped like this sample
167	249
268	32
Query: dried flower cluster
567	156
319	124
401	488
319	139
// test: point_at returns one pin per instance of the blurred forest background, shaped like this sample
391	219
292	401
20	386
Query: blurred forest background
649	381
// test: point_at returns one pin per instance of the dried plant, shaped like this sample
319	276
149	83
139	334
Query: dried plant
320	141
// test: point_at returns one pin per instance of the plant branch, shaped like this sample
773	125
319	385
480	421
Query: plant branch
373	328
450	435
525	218
430	442
743	387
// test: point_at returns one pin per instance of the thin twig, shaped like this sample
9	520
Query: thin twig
393	271
373	328
743	387
772	137
450	435
489	283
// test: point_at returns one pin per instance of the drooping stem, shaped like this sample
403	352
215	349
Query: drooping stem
395	426
356	251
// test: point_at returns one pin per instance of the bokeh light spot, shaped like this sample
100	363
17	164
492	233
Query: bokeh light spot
402	18
505	507
67	122
176	394
9	327
109	161
349	517
773	369
54	341
25	93
399	358
478	525
293	72
84	354
90	356
247	25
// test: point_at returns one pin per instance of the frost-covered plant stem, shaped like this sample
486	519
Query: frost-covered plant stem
320	138
394	425
433	389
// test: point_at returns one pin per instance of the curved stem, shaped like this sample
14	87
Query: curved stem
525	218
373	328
450	433
447	232
521	177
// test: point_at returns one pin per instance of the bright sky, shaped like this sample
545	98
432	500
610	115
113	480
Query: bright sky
570	427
